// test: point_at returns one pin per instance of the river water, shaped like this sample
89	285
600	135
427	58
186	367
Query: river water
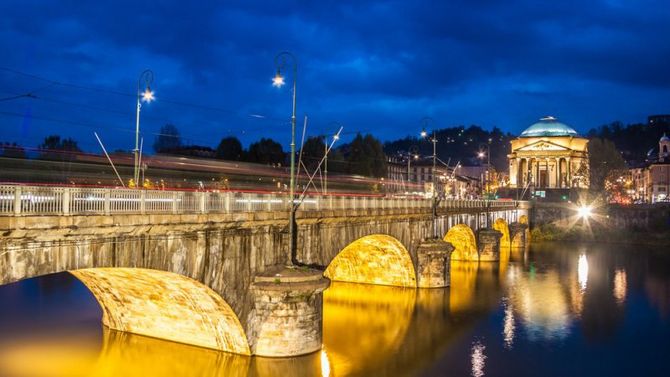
553	310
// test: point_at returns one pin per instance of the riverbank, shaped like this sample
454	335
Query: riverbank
595	233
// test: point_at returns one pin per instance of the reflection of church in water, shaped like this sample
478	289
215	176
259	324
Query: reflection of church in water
549	154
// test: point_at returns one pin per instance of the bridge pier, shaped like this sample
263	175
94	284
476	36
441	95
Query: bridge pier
517	235
433	261
488	244
287	317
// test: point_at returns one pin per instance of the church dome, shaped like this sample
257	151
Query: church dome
664	139
549	126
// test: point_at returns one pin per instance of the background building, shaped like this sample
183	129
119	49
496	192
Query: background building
549	155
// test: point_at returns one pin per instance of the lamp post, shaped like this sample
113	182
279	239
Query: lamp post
481	155
281	60
424	134
412	154
336	137
147	76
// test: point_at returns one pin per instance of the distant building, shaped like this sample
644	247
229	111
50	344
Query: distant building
651	183
549	155
655	120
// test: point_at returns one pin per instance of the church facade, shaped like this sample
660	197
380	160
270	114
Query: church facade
549	155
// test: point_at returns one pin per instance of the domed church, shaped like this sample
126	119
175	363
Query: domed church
549	155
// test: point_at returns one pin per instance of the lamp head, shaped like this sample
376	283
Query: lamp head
424	133
480	154
278	80
148	95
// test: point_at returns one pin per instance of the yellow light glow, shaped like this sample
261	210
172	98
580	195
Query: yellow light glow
135	300
462	238
278	80
375	259
377	319
620	286
582	271
584	211
148	95
501	226
325	364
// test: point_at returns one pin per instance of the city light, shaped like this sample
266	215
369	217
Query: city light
278	80
424	133
584	211
148	95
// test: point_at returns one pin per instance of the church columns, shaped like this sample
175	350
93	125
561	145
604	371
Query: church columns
557	166
569	172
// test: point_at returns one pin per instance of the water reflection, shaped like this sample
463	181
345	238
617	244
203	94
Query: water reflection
510	314
478	359
583	271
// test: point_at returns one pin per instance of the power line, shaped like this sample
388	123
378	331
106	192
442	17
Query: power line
125	94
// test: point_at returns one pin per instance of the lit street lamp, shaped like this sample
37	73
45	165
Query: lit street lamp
481	154
412	154
146	77
336	137
424	134
281	60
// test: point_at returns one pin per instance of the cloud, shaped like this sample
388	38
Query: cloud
377	66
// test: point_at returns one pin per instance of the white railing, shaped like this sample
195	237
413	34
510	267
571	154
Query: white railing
34	200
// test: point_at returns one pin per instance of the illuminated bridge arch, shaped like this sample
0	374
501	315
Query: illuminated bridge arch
501	226
375	259
462	238
164	305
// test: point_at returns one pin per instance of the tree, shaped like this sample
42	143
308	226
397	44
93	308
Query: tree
168	138
605	162
53	148
266	151
366	157
12	150
313	151
230	148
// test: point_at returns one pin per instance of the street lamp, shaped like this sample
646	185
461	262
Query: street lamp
281	61
336	137
146	77
412	154
424	134
481	154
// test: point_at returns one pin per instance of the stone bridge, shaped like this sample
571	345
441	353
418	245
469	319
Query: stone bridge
214	269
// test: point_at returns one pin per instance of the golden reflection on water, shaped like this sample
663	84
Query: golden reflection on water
368	330
374	318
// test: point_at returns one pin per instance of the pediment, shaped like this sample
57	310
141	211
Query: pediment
543	145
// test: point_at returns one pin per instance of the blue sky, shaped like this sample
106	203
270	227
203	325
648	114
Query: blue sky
377	67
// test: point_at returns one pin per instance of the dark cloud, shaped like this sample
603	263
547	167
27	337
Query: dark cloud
373	66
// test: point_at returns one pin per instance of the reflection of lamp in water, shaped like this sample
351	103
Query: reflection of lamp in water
619	290
582	271
508	324
478	359
325	364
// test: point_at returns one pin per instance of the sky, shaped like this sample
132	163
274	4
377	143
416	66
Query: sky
377	67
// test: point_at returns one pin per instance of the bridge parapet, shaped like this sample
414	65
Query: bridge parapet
17	200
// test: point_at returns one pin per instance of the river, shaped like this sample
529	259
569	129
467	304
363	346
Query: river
553	310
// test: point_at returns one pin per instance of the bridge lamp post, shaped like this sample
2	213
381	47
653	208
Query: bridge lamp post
336	137
146	77
281	61
424	134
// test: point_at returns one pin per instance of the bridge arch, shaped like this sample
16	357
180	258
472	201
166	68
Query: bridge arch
375	259
462	238
164	305
501	226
